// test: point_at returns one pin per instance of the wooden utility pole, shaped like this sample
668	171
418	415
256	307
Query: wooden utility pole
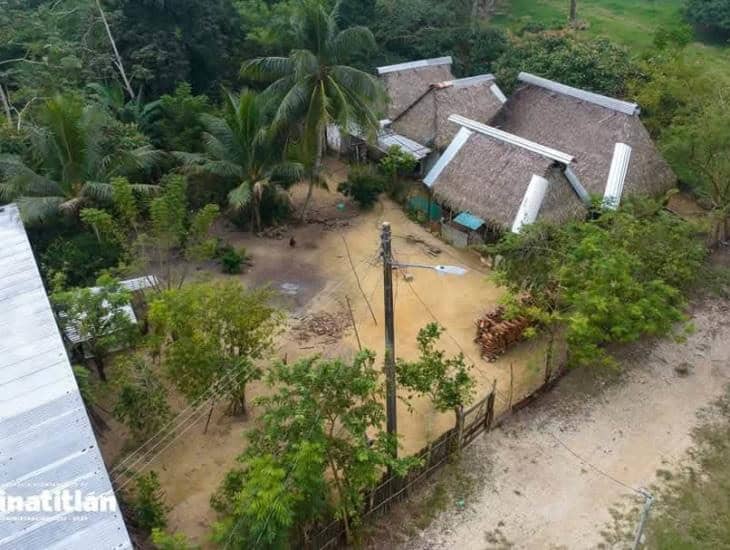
573	11
390	393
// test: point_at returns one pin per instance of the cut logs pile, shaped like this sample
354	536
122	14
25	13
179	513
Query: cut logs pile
495	334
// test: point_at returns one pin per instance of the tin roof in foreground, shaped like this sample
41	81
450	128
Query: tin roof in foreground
46	439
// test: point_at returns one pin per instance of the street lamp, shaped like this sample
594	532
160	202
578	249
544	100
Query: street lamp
388	265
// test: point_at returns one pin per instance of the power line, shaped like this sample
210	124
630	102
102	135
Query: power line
452	338
597	469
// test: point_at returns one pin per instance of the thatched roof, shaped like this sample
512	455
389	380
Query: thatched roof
588	127
405	83
489	176
426	121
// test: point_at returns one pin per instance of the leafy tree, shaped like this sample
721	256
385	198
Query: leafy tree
315	88
150	511
446	380
271	497
45	48
75	151
698	150
142	399
321	444
78	257
713	15
165	43
175	237
97	316
240	146
597	65
174	123
613	279
211	335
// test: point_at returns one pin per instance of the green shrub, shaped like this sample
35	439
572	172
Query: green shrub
364	184
149	506
232	260
80	258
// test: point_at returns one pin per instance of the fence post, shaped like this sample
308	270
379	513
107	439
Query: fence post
489	417
460	420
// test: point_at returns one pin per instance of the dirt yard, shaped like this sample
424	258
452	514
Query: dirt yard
313	279
550	476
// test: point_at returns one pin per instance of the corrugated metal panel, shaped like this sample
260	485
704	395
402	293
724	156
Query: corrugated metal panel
386	140
451	151
415	65
598	99
531	203
140	283
472	80
617	176
470	221
498	93
512	139
45	435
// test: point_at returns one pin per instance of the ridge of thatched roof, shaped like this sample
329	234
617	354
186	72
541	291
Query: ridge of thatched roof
488	174
619	105
590	132
405	83
427	119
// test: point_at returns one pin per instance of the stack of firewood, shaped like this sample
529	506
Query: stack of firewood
495	334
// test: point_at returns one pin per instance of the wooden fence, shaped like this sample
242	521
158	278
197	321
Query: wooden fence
392	489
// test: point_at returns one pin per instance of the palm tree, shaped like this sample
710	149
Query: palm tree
314	86
239	145
73	159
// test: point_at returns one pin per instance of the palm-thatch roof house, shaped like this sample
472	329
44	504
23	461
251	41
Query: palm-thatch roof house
423	94
544	154
489	174
587	126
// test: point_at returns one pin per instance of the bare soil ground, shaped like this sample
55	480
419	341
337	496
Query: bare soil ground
551	475
313	279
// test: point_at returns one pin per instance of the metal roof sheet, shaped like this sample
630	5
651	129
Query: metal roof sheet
451	151
512	139
386	140
602	100
415	65
46	439
469	221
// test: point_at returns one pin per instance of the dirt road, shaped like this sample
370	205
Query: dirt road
550	475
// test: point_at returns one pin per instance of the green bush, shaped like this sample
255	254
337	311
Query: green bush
80	258
150	511
232	260
364	184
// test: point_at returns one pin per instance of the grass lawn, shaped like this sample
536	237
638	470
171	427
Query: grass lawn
628	22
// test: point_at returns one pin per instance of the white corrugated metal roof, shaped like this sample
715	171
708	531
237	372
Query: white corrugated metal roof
454	147
617	176
46	440
139	283
602	100
512	139
415	65
386	140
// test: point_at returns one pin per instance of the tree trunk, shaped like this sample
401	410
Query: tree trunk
6	106
315	173
117	58
100	367
549	357
573	11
